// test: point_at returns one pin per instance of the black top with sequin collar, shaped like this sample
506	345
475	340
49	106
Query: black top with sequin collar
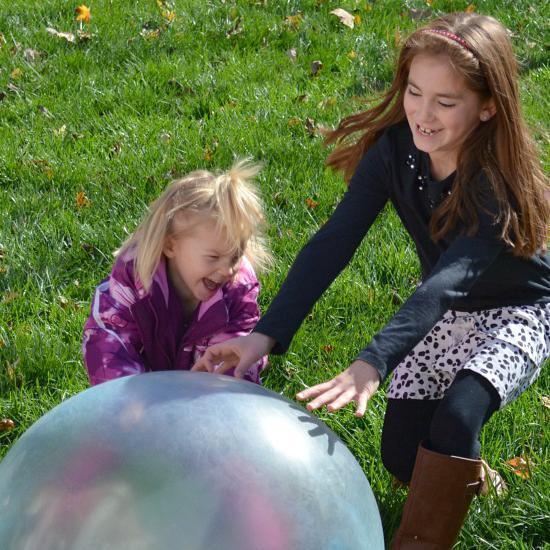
460	272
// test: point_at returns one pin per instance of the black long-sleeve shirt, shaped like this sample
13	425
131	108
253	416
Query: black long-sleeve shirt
465	273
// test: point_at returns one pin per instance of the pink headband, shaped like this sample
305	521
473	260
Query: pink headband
451	36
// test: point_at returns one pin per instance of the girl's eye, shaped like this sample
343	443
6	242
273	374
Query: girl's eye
413	93
213	258
447	105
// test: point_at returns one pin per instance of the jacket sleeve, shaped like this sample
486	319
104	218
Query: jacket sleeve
243	312
111	345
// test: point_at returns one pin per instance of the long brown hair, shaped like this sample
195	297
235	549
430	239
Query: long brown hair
501	147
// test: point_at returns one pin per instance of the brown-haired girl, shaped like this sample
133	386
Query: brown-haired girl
449	147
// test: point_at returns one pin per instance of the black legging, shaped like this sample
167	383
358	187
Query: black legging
450	425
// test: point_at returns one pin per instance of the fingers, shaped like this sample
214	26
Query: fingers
314	391
362	401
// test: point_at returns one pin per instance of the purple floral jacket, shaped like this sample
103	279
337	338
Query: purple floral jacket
131	331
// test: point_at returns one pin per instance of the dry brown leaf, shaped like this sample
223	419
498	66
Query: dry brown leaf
16	73
31	55
328	348
520	466
352	54
316	66
311	203
470	9
545	401
208	154
345	17
294	20
82	200
68	36
310	126
6	424
294	121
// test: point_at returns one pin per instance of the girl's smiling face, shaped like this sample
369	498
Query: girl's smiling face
441	110
200	260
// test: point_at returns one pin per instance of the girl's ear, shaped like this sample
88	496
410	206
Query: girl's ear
169	246
488	111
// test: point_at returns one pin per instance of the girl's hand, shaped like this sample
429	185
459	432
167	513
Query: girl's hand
241	353
357	383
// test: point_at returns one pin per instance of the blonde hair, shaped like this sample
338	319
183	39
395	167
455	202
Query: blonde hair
479	49
229	198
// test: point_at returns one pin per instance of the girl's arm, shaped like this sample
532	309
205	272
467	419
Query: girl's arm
111	339
317	265
244	313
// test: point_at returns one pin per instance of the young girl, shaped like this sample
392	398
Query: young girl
182	281
448	146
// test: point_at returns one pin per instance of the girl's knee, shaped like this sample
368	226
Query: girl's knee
455	431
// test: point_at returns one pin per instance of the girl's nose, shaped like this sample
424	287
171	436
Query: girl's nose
426	112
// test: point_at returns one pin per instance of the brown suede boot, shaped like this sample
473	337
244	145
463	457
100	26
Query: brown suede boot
440	493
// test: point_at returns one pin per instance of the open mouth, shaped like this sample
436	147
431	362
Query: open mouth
426	131
210	284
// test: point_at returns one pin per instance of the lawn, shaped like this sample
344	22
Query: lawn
93	125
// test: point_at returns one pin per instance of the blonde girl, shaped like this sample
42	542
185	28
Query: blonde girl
449	147
183	280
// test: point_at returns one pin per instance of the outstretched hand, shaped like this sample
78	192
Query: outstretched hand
239	353
357	383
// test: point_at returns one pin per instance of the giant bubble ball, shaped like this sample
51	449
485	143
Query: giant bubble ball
180	460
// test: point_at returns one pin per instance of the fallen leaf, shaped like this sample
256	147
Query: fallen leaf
64	302
68	36
2	39
16	73
310	126
345	17
82	200
6	424
545	401
208	154
418	14
311	203
116	149
44	166
10	297
328	348
170	16
83	36
470	9
294	121
316	66
165	138
352	54
294	20
61	131
357	18
31	55
520	467
150	34
236	29
329	102
83	13
292	54
45	111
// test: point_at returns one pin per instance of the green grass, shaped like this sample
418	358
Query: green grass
126	113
